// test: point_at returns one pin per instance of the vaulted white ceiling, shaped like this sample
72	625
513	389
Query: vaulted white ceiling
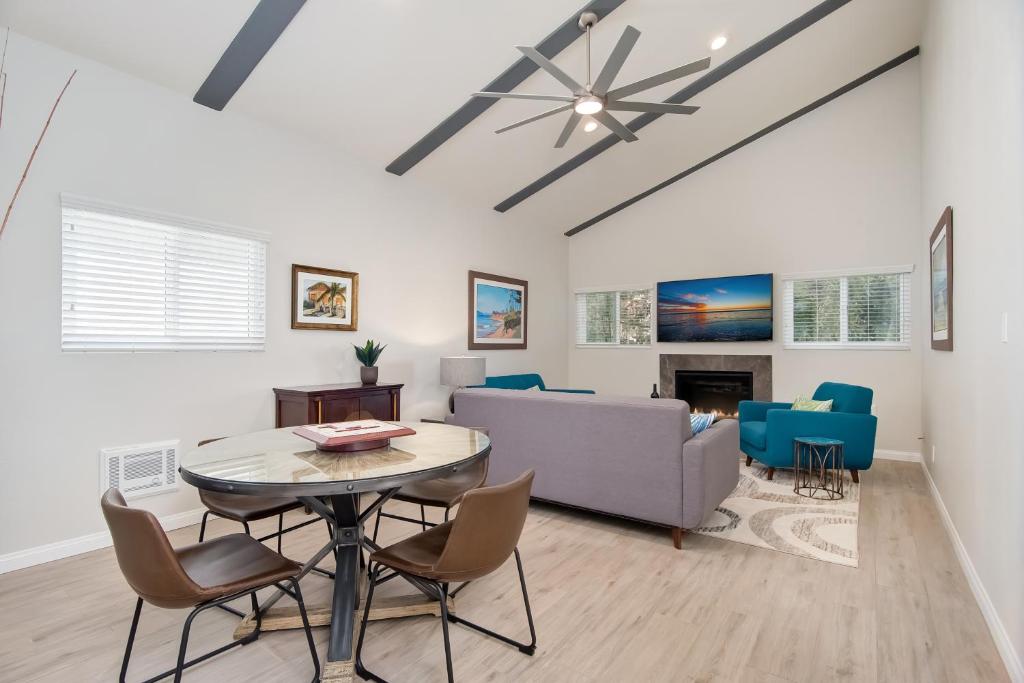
370	79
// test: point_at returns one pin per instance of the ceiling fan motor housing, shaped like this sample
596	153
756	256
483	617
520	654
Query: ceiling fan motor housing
587	20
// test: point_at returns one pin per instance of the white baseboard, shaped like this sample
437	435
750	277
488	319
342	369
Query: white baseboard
1011	659
903	456
76	546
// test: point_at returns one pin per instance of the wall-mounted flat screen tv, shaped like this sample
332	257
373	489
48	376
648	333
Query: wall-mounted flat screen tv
737	308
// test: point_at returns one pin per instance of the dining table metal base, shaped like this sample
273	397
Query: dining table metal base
346	544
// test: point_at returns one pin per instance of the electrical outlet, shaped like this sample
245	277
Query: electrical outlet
933	453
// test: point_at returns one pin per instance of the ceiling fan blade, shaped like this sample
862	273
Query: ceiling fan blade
570	126
546	64
615	61
267	22
670	75
660	107
525	96
538	117
614	125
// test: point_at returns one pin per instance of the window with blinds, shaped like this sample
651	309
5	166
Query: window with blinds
132	281
855	309
613	318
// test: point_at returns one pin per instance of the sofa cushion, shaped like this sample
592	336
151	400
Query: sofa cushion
754	433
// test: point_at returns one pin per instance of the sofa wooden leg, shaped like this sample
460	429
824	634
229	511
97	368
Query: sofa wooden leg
677	537
856	476
771	474
749	460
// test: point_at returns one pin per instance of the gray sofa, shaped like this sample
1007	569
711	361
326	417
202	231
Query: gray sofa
631	457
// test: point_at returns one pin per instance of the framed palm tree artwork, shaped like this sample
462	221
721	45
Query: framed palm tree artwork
324	299
497	311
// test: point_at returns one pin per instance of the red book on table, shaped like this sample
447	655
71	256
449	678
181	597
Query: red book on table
341	433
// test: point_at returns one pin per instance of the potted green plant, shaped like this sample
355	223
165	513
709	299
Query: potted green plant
368	354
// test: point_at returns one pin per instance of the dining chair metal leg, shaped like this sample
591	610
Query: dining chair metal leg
443	590
309	631
447	511
360	669
202	527
376	526
131	640
246	526
526	648
181	664
180	668
280	531
423	516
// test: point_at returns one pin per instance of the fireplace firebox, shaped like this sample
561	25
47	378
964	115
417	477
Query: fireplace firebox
714	391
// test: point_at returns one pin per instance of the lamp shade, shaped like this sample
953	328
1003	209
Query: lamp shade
463	371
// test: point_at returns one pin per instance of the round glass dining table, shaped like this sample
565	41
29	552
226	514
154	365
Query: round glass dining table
276	462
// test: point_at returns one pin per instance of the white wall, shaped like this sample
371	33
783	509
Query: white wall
837	188
119	139
973	160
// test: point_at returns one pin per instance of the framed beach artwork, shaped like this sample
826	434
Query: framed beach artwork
324	299
940	248
497	312
716	309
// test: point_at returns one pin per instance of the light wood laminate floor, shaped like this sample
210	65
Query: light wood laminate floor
613	601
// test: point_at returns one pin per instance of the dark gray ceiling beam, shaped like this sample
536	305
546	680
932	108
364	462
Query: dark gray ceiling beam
891	64
510	78
727	67
257	35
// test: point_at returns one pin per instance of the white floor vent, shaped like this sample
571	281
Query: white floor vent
143	470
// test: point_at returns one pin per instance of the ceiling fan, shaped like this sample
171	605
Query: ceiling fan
596	98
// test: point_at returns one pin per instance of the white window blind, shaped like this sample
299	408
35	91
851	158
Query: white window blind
856	309
613	317
132	281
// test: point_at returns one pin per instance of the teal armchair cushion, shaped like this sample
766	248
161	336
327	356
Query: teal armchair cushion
846	398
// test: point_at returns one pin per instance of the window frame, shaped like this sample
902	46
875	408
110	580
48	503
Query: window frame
843	275
650	288
116	210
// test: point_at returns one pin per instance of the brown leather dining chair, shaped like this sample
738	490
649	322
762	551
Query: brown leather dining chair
245	509
443	492
483	535
199	576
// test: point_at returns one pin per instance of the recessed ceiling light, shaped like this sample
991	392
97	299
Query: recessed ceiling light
590	126
588	104
719	42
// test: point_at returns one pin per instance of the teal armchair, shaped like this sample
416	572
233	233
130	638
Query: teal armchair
767	429
526	381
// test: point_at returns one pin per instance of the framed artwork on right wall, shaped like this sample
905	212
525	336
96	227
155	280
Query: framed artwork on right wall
940	248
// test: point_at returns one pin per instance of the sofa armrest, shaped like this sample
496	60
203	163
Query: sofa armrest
757	411
855	430
572	391
711	470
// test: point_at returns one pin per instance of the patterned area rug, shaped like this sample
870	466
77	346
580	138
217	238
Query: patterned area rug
768	514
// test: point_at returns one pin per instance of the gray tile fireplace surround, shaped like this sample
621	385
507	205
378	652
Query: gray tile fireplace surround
760	366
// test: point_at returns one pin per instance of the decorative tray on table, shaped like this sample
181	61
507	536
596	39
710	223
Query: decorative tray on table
357	435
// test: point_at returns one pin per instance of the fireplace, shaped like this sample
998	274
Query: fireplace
714	391
713	383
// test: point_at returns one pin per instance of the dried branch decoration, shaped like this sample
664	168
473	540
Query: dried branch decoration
3	75
31	158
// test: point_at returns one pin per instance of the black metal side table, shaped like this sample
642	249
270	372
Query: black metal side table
818	467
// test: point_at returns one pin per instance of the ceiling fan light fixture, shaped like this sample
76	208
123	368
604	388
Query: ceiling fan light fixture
718	42
590	126
588	104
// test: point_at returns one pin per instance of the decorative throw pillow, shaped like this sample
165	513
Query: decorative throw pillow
700	421
533	388
811	405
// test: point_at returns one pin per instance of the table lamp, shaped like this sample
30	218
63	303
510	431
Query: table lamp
462	371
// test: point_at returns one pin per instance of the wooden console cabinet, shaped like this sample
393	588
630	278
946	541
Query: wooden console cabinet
336	403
